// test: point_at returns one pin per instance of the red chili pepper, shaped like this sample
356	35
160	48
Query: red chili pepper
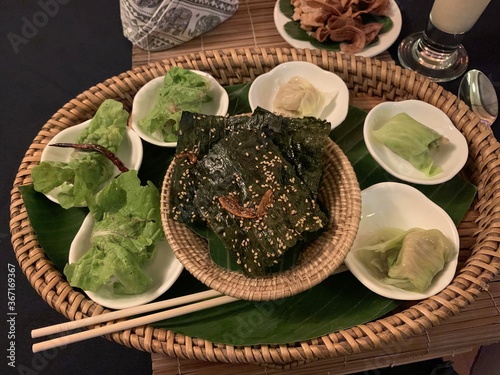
95	148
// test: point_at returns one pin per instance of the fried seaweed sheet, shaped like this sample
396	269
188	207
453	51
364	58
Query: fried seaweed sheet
252	198
252	179
300	140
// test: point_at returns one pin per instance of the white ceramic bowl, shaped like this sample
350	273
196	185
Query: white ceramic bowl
145	100
397	205
450	157
130	151
265	87
163	267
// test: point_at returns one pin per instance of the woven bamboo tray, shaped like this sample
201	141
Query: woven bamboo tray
366	78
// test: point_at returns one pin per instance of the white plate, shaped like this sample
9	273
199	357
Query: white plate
264	88
384	42
130	151
397	205
163	267
145	100
450	157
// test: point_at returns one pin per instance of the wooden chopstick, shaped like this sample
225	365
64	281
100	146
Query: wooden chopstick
124	313
127	324
209	298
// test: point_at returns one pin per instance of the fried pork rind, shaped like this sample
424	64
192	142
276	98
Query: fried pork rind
341	21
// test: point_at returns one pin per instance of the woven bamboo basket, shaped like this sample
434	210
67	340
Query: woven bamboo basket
365	78
341	197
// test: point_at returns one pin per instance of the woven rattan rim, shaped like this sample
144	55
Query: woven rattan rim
340	195
365	77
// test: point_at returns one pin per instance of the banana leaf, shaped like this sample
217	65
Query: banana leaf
336	303
238	99
339	302
55	226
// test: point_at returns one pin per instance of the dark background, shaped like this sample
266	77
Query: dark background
79	44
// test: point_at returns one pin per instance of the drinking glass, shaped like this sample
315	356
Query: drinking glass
437	52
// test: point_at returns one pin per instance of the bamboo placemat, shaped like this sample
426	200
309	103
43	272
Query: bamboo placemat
251	26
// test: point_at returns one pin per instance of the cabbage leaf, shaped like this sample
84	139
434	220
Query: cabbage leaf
409	259
411	140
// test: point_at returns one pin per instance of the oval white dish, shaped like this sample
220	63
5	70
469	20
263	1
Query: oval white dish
385	40
450	157
130	151
163	267
145	100
265	87
397	205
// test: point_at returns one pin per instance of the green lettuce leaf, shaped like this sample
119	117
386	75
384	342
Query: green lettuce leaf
127	227
86	172
108	126
182	90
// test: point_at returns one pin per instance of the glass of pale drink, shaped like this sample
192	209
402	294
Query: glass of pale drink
437	52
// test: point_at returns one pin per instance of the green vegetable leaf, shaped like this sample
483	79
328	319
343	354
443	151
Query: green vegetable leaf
406	259
385	21
85	173
107	127
127	226
293	29
327	45
287	8
238	102
182	90
411	140
218	252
